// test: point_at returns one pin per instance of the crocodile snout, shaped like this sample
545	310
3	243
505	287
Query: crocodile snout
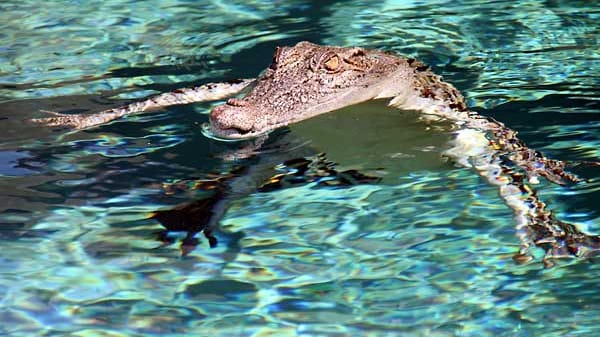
235	119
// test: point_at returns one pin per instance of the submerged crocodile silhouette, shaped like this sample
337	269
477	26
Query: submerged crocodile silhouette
307	79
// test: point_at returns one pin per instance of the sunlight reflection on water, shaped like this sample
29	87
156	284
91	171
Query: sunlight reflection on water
427	252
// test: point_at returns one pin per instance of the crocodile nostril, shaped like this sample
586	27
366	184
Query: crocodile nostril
236	102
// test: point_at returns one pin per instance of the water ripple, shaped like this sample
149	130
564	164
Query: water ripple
427	252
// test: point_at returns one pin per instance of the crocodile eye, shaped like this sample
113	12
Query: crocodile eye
328	61
332	64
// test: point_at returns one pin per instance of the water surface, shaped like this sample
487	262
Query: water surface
425	252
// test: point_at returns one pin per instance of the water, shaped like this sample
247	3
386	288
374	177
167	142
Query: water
425	252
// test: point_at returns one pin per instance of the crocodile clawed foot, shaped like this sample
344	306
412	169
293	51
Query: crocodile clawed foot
571	244
212	240
164	238
522	258
188	244
558	239
554	171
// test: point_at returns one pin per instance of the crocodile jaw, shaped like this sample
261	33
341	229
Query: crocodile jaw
243	122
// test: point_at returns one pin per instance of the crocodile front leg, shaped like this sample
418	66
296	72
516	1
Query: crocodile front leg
496	153
203	93
503	160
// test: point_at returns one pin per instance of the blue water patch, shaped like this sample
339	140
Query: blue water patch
425	248
15	163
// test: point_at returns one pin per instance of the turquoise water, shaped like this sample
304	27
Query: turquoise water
425	252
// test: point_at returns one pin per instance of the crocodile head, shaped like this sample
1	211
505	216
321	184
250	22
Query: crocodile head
304	81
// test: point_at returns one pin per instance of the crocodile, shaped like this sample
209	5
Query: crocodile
307	79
